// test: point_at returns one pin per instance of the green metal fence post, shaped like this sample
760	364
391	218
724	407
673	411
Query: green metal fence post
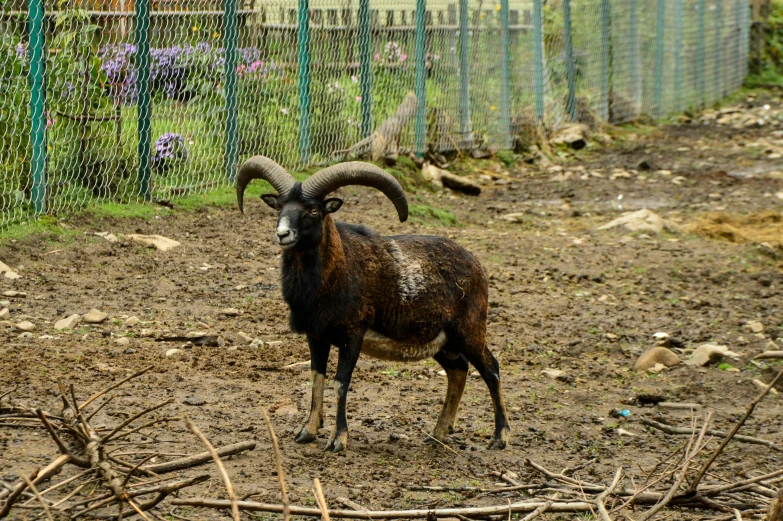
365	76
464	75
604	60
633	50
700	52
421	75
569	58
718	54
304	80
659	32
230	38
37	104
738	42
142	8
505	78
677	54
538	56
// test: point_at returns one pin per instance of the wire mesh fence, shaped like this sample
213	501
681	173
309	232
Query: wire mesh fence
139	99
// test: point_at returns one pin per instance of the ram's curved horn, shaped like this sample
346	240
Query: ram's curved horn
260	167
357	173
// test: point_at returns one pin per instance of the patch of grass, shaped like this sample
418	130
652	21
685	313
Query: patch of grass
126	210
507	157
46	225
426	214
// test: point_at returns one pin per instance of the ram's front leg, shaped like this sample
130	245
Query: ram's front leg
349	354
319	357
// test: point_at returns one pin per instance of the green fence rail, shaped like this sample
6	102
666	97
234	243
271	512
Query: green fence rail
133	100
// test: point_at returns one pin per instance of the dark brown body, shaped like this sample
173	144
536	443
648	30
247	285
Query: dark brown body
402	298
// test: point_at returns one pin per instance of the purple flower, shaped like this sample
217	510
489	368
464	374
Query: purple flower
169	149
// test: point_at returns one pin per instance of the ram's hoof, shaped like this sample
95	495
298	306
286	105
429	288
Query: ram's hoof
337	443
497	444
304	436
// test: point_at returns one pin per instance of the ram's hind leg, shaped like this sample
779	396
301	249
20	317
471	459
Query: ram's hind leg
489	369
456	368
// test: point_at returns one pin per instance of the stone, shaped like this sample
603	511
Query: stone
46	337
459	183
155	241
574	135
555	374
5	303
26	334
25	326
131	321
15	294
194	400
656	355
245	338
107	235
706	353
230	312
123	341
4	313
755	326
175	353
7	272
623	432
69	322
514	217
641	220
256	343
287	410
95	317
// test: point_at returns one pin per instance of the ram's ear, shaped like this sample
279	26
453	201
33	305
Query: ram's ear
271	201
332	205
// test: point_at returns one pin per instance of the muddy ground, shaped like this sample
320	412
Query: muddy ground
563	295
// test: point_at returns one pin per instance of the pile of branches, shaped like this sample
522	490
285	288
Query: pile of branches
110	485
677	481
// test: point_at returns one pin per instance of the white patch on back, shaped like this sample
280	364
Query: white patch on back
383	347
410	276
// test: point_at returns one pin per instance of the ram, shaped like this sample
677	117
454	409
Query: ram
401	298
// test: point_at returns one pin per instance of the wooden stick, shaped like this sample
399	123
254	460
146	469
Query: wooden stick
140	511
769	354
599	501
283	493
198	459
580	506
144	426
689	455
133	418
112	387
40	499
707	491
589	487
505	477
669	429
727	439
319	497
15	493
101	406
226	481
63	483
537	512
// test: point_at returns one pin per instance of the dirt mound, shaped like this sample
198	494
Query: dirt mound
759	228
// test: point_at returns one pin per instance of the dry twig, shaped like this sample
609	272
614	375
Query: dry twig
226	481
40	499
319	497
279	461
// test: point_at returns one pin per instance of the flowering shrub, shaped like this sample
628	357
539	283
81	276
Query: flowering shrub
176	72
170	150
392	54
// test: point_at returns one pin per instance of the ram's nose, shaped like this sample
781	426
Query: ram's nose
284	235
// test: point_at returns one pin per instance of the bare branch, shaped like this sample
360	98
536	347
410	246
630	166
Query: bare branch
113	386
226	481
40	499
693	486
319	497
279	460
133	418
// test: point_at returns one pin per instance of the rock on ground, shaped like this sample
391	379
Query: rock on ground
155	241
69	322
95	317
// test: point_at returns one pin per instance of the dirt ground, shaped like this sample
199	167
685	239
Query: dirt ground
563	295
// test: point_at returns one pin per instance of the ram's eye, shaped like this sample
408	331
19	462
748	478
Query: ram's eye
313	211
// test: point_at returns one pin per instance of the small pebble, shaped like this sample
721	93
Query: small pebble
123	341
95	317
25	326
131	321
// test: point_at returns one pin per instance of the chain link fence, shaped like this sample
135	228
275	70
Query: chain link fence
140	99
